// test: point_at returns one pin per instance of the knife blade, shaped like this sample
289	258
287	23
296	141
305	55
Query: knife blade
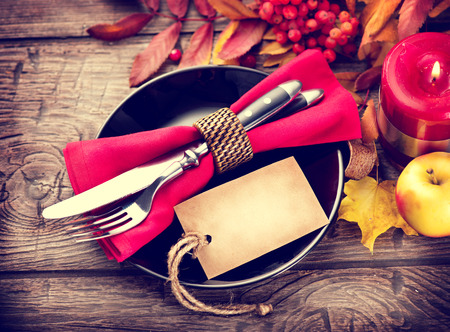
143	176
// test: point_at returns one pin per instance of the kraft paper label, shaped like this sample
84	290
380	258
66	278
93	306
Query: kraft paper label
252	215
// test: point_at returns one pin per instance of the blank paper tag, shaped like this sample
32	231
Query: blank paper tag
252	215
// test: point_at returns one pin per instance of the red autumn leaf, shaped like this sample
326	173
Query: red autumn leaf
178	7
148	61
204	8
368	79
200	46
248	34
233	9
412	15
126	27
153	5
351	5
440	7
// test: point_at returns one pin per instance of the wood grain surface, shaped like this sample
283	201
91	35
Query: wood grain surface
58	85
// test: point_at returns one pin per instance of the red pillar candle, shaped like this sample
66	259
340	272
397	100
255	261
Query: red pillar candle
414	113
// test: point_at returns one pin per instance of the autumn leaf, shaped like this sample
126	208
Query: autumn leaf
373	207
199	49
368	78
369	129
221	40
347	79
412	15
269	35
372	46
204	8
248	33
436	11
124	28
148	61
233	9
153	5
178	7
276	59
376	14
274	48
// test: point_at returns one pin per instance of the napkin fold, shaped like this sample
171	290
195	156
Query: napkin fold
92	162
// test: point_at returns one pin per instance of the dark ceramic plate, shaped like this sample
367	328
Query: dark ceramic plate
180	98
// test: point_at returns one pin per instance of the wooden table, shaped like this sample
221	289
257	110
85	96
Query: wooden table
58	85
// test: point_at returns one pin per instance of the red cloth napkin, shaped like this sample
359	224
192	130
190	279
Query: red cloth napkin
92	162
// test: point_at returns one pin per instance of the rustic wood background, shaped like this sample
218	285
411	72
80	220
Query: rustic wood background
59	85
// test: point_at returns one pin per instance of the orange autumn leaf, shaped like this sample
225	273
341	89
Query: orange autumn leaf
376	14
204	8
436	11
274	48
373	207
221	40
199	49
124	28
369	46
369	129
233	9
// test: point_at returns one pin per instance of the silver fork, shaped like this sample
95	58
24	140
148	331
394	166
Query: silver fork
132	212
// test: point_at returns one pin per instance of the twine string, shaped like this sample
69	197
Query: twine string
195	241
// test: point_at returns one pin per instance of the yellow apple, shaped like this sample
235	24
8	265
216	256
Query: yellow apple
423	194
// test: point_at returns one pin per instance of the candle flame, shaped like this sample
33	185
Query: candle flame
436	71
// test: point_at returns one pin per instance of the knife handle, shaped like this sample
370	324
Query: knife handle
269	104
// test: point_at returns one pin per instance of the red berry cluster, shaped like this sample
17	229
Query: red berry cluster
314	24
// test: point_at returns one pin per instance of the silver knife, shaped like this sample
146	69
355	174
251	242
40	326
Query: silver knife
175	162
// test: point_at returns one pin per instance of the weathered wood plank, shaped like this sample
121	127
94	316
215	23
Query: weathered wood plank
65	18
382	299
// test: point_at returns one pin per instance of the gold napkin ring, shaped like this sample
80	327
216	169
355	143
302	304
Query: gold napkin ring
226	139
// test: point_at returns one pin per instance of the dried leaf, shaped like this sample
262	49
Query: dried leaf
233	9
148	61
412	15
178	7
223	37
436	11
199	49
370	46
204	8
152	5
287	58
385	48
248	34
369	127
347	79
269	35
376	14
368	79
275	48
277	59
373	207
126	27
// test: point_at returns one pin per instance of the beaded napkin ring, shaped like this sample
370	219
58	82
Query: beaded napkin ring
226	139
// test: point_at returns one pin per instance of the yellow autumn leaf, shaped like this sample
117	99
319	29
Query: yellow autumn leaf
221	40
277	59
373	207
275	48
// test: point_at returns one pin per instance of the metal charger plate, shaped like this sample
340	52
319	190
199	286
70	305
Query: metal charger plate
180	98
